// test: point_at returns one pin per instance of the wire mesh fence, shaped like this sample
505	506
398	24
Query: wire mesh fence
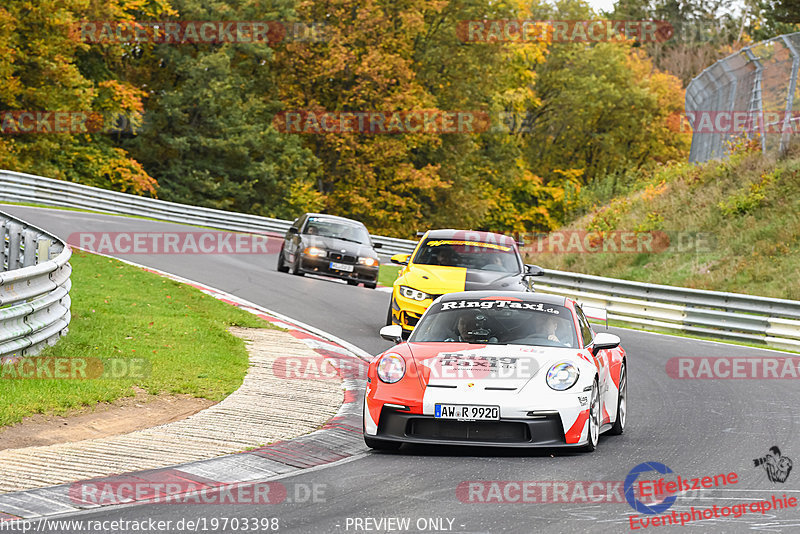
752	93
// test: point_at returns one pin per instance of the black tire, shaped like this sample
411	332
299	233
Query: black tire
352	282
594	419
295	270
371	285
622	402
281	264
381	445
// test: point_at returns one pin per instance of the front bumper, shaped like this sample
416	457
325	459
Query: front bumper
407	312
542	431
317	265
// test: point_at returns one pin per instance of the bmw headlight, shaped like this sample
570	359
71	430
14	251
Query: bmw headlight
314	251
562	376
391	368
369	262
415	294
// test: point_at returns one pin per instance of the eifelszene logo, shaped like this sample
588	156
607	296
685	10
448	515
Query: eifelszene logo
777	466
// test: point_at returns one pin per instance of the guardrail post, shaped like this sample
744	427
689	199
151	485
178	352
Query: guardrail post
787	120
28	247
13	241
43	249
756	102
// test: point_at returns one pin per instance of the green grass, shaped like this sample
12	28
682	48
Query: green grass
749	204
120	311
388	274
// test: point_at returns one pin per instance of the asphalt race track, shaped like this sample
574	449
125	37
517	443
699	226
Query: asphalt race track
696	427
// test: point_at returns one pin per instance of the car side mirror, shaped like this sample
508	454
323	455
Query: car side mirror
533	270
400	259
604	341
292	230
377	245
393	333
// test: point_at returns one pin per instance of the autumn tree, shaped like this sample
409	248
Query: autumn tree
41	70
208	135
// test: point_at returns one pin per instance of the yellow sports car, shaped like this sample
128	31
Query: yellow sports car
446	261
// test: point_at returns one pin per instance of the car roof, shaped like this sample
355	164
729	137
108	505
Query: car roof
449	233
520	295
333	217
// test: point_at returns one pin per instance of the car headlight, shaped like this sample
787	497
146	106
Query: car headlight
415	294
314	251
391	368
369	262
562	376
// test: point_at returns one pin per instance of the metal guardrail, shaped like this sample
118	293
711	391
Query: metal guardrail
733	316
19	187
760	82
34	289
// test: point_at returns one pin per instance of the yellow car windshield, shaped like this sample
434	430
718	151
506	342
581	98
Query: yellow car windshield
468	254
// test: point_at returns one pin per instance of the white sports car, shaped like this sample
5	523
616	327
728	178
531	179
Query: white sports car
492	368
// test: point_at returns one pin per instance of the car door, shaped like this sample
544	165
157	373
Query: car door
601	357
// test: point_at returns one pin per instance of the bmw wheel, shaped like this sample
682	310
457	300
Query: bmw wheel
281	263
296	265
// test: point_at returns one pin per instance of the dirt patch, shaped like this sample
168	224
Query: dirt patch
105	419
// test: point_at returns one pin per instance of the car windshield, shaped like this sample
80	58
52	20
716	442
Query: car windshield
349	231
468	254
497	321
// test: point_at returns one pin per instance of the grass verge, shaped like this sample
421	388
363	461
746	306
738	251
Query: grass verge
123	312
388	274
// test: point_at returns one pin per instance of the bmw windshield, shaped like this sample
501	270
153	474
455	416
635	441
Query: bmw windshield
348	231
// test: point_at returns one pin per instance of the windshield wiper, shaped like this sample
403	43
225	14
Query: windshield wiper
348	239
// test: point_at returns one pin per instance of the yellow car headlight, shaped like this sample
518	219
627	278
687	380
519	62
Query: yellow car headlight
414	294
